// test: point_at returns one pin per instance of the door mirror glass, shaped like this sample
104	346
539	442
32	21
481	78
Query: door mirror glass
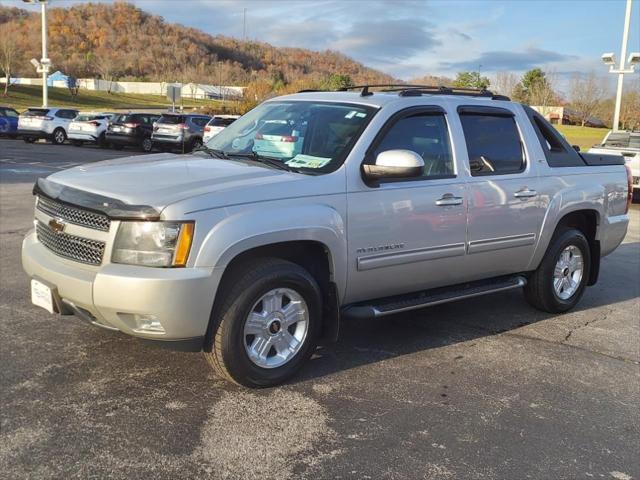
395	164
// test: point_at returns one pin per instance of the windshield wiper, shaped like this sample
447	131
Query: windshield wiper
212	151
271	161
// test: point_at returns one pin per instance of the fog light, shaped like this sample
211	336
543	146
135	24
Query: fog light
144	323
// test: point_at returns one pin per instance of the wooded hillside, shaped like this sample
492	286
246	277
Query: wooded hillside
120	41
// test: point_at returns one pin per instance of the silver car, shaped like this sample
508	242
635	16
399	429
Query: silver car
393	201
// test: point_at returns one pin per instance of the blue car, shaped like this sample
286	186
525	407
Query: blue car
8	122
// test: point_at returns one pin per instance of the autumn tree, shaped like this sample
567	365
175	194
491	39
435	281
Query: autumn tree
8	54
585	95
471	80
337	81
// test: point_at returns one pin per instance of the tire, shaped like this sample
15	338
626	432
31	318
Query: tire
146	145
241	299
195	143
554	273
59	136
29	139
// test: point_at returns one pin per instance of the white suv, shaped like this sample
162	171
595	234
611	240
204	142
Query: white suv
45	122
216	125
89	127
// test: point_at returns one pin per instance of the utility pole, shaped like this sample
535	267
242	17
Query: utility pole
244	24
609	59
44	64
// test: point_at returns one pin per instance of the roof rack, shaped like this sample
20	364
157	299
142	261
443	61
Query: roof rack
408	90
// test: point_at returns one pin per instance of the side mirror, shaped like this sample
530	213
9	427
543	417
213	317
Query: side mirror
394	164
576	147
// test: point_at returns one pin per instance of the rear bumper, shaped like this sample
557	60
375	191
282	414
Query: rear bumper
125	297
167	140
25	132
123	139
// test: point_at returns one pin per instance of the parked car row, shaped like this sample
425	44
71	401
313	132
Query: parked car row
147	131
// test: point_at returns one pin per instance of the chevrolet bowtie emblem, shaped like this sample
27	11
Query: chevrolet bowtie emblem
57	225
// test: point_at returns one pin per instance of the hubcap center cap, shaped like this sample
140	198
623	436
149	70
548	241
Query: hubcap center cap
565	272
274	327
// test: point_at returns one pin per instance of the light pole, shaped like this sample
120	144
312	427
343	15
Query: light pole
610	59
44	64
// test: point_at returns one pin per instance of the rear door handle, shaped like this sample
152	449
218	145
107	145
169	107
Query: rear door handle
525	193
448	199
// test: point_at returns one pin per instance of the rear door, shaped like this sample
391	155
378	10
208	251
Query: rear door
505	212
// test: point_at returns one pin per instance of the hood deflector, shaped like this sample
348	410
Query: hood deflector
111	207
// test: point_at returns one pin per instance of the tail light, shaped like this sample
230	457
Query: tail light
288	139
131	125
629	187
94	123
207	128
259	136
182	126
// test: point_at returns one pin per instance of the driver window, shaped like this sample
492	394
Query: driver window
428	136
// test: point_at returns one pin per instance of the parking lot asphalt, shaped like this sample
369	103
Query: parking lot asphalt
486	388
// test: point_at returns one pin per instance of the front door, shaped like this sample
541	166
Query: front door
408	234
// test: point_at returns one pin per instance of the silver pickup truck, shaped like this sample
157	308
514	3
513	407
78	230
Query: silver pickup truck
319	206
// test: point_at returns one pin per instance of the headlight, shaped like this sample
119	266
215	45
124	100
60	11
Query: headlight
154	244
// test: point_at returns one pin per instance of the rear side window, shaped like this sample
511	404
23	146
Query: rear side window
425	134
8	112
69	114
493	143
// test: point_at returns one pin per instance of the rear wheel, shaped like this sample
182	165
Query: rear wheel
559	282
146	145
266	324
59	136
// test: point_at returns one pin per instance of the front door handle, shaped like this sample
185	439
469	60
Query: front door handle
525	193
449	199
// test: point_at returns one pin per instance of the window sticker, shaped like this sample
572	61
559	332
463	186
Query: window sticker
351	114
308	161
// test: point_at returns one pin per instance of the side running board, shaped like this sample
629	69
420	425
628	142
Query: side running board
427	298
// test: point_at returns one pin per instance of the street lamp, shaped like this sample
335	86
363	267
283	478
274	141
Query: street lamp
44	64
610	60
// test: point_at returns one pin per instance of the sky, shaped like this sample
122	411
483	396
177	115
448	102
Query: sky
412	38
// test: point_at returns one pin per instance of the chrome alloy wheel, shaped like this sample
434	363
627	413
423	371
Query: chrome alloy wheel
567	275
59	136
276	328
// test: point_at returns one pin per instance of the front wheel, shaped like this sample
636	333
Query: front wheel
559	282
266	324
59	136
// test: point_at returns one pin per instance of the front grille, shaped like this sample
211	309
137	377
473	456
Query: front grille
77	216
68	246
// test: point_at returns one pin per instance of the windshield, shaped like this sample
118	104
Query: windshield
83	117
311	136
171	119
36	112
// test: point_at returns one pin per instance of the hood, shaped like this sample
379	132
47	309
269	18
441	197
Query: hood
162	179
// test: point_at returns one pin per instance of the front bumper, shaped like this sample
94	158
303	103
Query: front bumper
117	296
84	136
